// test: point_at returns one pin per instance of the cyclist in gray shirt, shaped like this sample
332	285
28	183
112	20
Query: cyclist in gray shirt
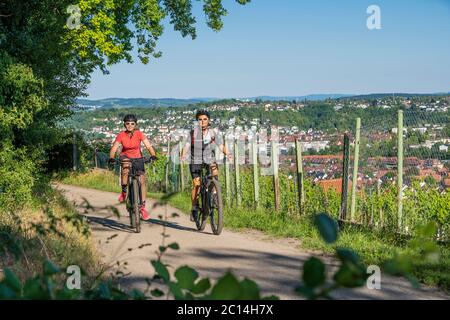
201	143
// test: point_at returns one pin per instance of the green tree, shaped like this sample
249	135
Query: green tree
36	34
46	62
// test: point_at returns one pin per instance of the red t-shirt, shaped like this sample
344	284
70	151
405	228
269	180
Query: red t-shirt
131	147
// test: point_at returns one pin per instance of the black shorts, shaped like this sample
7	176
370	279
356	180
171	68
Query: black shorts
138	164
196	169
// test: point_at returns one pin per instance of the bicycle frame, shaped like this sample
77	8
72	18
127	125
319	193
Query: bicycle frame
134	200
205	179
211	202
133	175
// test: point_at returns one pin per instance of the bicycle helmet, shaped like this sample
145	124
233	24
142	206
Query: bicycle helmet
130	117
202	112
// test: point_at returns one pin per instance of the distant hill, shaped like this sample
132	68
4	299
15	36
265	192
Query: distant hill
140	102
172	102
388	95
310	97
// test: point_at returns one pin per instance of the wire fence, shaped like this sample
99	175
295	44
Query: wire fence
402	188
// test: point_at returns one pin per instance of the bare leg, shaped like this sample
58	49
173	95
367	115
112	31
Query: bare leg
214	171
125	170
195	191
143	189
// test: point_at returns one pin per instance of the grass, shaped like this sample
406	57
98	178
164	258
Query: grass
373	246
48	229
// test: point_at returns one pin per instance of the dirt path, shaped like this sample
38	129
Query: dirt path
273	264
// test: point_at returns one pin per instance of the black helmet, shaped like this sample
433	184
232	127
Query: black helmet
202	112
130	117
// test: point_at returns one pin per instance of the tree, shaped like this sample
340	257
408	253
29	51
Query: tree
36	33
36	36
46	61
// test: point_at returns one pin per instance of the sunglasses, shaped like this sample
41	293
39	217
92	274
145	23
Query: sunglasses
130	123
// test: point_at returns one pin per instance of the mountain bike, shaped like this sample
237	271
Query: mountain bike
210	202
133	201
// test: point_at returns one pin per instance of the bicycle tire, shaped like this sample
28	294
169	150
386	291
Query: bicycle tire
136	214
200	219
130	204
215	207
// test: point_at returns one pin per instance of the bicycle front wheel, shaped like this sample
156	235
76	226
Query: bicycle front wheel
202	214
215	206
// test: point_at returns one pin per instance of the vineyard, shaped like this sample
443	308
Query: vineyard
368	196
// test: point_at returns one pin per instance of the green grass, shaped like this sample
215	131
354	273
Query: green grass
373	246
49	229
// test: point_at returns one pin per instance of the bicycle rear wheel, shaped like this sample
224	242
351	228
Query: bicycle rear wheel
135	216
215	206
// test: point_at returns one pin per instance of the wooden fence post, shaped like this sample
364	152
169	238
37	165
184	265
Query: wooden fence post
96	157
300	189
355	169
276	181
400	169
345	165
379	195
227	176
74	152
255	173
236	175
181	166
167	166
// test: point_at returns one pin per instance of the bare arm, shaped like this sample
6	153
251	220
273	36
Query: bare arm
149	147
112	152
224	149
222	146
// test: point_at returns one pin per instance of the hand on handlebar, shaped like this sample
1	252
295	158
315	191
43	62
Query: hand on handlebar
150	159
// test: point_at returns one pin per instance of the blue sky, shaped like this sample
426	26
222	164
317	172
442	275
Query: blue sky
296	47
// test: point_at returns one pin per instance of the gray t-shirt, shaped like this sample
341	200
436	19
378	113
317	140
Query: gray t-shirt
203	145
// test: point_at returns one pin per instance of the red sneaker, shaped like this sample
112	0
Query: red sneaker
144	214
122	197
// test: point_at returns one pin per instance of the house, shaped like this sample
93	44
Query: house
320	159
395	130
335	184
430	173
446	183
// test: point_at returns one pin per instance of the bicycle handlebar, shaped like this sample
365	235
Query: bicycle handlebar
146	159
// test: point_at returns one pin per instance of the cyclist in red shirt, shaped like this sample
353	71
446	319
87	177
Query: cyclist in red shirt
131	139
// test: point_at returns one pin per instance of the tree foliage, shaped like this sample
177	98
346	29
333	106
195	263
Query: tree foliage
47	58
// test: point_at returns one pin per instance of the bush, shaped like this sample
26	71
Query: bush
17	173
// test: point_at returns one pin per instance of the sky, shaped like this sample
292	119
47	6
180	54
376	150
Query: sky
293	48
